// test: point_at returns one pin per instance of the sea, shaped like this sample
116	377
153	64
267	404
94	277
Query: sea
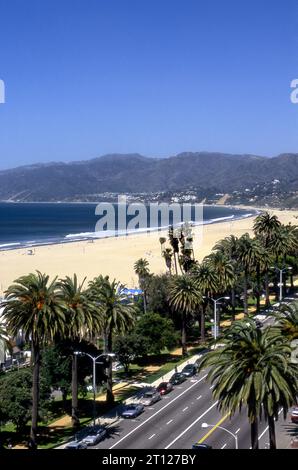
25	225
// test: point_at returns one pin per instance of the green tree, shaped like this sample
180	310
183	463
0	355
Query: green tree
118	316
253	370
141	268
83	319
16	397
34	306
128	347
158	331
185	298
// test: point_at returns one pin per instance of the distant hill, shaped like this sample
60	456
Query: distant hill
134	173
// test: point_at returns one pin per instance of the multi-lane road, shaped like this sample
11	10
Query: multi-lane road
175	422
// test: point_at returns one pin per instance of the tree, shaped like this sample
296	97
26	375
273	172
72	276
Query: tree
82	319
130	346
159	332
167	254
253	370
142	270
287	320
34	306
118	316
16	397
265	226
174	242
185	298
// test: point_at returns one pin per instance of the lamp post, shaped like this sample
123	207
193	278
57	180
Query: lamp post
215	301
281	271
94	359
206	425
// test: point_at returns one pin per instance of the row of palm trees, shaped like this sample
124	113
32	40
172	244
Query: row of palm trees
48	311
253	369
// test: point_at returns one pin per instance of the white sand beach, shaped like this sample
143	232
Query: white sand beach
116	256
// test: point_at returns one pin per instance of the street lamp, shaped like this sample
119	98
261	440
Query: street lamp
206	425
215	301
281	271
94	359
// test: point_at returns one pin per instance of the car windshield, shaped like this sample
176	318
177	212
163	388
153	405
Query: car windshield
149	394
131	407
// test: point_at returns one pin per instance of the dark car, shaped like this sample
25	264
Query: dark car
201	446
74	445
132	411
177	378
189	370
294	415
165	387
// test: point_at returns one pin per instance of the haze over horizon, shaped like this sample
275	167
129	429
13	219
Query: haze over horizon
156	78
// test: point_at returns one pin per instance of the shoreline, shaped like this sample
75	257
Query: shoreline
115	256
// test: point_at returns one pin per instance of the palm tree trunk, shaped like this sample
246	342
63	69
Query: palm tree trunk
183	335
233	304
35	395
202	324
110	396
254	434
267	289
175	262
258	295
272	438
75	422
245	294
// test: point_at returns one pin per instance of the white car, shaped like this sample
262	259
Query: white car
95	437
117	366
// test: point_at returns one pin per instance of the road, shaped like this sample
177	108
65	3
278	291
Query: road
175	423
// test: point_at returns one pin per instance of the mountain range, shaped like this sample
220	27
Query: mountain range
134	173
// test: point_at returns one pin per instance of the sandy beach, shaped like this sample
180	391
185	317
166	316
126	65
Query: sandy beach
116	256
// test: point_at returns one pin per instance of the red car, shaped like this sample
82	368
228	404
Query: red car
164	387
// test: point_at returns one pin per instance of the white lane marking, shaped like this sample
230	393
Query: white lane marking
224	446
193	380
157	412
191	425
199	397
186	408
212	386
237	431
266	429
169	421
151	408
151	436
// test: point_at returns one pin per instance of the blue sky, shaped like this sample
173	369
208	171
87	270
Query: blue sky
158	77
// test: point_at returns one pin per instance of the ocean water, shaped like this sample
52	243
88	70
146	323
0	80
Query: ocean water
32	224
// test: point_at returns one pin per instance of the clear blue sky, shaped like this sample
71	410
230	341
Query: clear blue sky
158	77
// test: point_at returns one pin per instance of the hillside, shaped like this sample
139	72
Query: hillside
133	173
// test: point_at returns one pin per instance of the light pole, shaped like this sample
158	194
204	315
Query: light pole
94	359
206	425
281	271
215	312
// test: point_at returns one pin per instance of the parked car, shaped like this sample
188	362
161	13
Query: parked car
294	415
74	445
95	437
177	378
201	446
189	370
150	397
132	411
164	388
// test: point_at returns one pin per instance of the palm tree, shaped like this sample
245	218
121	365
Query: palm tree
253	370
208	284
174	242
249	254
142	270
167	254
118	315
287	320
162	241
35	306
265	226
82	319
185	298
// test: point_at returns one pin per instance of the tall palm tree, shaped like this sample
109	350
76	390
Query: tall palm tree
249	254
162	241
185	298
253	370
174	242
118	315
167	254
208	284
35	306
141	268
82	319
265	226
